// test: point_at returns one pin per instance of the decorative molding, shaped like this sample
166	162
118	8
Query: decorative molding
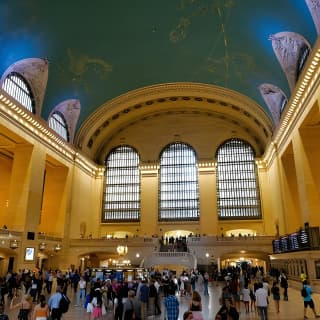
145	102
39	129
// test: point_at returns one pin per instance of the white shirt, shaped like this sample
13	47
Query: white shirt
261	297
82	284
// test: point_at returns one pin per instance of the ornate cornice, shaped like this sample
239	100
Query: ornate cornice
145	101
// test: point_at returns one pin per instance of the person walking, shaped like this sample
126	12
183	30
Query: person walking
144	297
54	303
25	306
307	299
262	301
284	285
171	304
196	306
246	297
227	311
131	308
41	310
276	295
82	292
206	283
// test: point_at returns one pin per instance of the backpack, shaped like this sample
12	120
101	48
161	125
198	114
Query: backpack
304	292
64	303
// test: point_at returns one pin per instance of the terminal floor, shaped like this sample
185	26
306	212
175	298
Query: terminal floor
289	310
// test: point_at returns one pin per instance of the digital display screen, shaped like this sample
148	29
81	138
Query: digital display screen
29	254
284	244
293	241
304	239
299	240
276	246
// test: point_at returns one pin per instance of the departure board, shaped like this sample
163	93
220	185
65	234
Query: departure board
294	241
276	246
284	244
304	239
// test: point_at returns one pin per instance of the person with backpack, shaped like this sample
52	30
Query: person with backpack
54	304
306	293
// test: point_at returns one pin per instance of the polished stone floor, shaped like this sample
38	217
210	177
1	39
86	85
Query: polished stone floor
289	310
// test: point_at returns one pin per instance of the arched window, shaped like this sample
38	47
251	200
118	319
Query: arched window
121	200
237	181
179	188
283	103
59	125
303	56
17	87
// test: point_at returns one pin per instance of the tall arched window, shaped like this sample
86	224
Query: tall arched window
283	103
17	87
303	57
59	125
179	188
237	181
121	201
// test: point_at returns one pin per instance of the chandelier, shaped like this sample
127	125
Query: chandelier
14	244
42	246
57	248
122	250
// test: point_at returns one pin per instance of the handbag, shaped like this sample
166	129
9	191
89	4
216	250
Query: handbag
23	314
89	307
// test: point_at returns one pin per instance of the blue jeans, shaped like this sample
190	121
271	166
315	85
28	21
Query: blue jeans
81	295
206	292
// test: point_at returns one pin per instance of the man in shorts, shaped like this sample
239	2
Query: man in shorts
307	300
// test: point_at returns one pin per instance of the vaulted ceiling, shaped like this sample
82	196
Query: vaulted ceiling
102	49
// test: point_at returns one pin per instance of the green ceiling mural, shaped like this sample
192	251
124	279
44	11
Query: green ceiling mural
102	49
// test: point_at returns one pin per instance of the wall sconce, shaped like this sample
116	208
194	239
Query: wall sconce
14	244
42	246
57	248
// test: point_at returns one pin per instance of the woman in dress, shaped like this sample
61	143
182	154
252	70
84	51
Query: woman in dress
246	297
41	310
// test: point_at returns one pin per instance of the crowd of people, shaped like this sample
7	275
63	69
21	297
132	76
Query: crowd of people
36	294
